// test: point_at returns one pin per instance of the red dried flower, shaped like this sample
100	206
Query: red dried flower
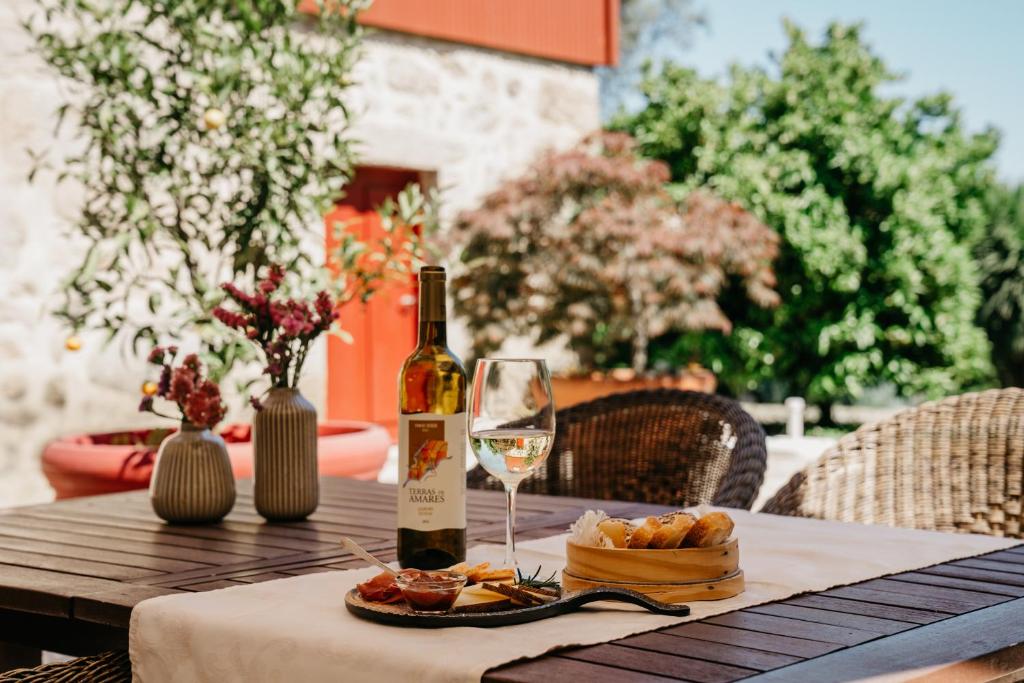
182	383
197	397
283	328
230	318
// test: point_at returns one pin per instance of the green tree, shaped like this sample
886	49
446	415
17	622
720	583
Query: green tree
1001	259
212	135
877	201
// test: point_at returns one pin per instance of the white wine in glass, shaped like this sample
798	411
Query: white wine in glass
511	425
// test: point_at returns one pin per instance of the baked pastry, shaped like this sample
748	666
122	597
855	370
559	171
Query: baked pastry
713	528
617	530
674	528
642	535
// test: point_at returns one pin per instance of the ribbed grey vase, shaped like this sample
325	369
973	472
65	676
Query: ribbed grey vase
192	481
285	457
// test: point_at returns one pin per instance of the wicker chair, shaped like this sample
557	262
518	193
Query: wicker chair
949	465
108	667
664	446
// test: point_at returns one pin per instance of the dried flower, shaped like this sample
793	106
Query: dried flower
197	397
282	328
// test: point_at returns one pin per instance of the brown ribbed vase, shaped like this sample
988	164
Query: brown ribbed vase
192	481
285	458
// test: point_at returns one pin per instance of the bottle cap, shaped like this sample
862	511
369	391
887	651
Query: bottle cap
432	273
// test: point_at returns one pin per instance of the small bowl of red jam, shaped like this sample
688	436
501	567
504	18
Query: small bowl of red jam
432	592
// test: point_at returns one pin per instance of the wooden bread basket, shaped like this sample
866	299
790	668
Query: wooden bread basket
676	575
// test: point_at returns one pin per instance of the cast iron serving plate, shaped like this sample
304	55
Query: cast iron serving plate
400	614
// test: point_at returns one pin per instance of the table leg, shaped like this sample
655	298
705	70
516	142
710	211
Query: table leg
13	656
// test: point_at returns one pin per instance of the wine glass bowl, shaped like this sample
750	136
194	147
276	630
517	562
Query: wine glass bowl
511	425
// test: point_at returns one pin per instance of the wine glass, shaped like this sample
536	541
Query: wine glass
511	426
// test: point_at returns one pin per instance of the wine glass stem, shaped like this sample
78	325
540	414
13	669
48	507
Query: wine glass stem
510	525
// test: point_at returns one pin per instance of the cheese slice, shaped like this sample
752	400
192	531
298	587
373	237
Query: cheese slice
477	599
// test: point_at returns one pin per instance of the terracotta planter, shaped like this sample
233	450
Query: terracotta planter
192	481
284	434
93	464
569	391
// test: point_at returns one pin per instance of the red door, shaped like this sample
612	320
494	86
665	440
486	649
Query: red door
362	377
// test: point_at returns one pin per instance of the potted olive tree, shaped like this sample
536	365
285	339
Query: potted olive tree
589	245
211	138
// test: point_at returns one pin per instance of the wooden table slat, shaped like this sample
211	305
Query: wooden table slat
966	584
992	565
152	547
87	568
768	642
1006	556
984	575
766	623
75	550
552	669
946	606
925	592
212	532
821	616
658	663
659	641
847	606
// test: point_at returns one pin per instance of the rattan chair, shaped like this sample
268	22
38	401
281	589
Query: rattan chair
108	667
949	465
664	446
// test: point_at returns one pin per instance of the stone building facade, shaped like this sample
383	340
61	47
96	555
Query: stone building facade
469	115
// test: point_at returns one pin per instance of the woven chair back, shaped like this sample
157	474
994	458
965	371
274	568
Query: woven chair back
949	465
663	446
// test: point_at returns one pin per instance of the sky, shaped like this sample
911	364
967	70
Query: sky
971	48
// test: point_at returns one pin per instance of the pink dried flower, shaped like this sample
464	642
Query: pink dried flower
282	328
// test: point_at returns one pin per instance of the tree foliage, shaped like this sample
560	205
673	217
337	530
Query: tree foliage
211	138
1001	260
587	244
877	201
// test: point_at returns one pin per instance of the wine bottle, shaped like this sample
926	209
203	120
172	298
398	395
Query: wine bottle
432	440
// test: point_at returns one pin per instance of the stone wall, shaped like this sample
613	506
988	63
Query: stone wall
468	115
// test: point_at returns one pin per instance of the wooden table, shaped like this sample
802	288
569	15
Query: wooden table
70	573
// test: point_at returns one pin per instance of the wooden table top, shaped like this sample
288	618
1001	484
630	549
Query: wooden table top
71	571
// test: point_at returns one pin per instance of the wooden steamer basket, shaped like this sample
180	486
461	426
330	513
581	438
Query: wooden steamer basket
678	575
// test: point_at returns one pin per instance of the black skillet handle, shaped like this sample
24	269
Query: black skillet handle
574	601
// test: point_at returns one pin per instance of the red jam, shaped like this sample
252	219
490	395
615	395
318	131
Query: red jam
430	591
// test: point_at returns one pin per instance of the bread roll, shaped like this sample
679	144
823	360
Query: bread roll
673	530
642	535
618	530
713	528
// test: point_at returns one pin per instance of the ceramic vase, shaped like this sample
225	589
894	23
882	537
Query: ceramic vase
192	481
287	486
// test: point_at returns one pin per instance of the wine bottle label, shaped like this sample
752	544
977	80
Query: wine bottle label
432	472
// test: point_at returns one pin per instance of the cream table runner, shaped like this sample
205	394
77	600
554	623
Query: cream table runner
299	630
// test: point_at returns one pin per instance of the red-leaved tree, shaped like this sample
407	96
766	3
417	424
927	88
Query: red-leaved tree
589	244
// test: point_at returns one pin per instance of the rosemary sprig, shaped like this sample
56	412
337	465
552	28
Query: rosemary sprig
535	581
